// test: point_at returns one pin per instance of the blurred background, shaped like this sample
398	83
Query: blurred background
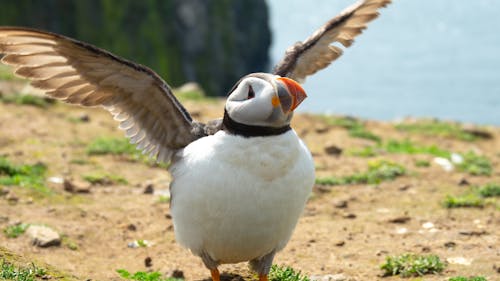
428	58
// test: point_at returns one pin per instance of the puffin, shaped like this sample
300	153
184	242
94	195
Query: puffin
239	182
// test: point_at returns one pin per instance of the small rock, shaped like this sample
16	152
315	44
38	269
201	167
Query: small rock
457	158
76	186
472	232
168	216
404	187
329	277
339	243
459	260
478	133
12	197
444	163
149	188
428	225
426	249
177	273
85	118
400	220
402	230
132	227
349	216
333	150
463	182
148	262
4	191
340	204
43	236
450	244
321	128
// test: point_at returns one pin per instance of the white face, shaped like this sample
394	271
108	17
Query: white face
254	102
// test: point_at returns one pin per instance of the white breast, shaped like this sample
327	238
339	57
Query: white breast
238	198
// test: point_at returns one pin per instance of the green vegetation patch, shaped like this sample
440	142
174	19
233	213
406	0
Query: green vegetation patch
354	126
144	276
475	165
104	179
378	171
30	176
473	278
14	231
476	197
9	271
489	190
120	147
408	265
437	128
282	273
32	100
470	200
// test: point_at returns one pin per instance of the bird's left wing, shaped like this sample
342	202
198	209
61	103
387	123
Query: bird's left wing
79	73
317	52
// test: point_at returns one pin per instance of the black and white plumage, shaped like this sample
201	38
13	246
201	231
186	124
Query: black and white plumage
240	183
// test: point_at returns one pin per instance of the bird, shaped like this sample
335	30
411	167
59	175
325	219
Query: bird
240	182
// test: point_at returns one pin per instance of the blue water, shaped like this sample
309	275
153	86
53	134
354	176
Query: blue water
422	58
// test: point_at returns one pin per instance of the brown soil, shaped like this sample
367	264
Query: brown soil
351	237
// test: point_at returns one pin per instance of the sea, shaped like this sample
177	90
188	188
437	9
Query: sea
420	58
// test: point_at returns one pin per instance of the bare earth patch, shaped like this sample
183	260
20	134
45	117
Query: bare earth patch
347	229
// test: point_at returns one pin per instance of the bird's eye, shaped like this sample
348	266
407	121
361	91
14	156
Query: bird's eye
251	93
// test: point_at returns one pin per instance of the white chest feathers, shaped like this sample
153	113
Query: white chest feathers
237	198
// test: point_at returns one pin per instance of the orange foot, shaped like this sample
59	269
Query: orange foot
263	277
216	275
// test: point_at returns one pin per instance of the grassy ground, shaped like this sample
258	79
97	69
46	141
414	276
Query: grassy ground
379	194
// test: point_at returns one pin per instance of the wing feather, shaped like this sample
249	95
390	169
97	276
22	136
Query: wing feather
82	74
317	52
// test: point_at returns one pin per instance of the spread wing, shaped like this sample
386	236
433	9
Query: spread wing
317	52
82	74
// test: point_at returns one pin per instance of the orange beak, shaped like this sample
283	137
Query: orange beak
295	92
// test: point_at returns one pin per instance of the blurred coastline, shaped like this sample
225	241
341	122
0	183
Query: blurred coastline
419	58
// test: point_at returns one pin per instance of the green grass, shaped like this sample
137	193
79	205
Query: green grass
164	199
422	163
437	128
104	179
408	265
22	99
475	165
144	276
470	200
282	273
354	126
29	176
476	197
193	95
473	278
120	147
378	171
10	272
489	190
7	73
14	231
408	147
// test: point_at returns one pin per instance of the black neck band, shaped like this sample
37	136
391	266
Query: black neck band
236	128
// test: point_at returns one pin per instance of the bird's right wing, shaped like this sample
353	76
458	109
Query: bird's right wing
79	73
317	52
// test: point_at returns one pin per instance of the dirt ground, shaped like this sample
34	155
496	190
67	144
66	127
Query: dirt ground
345	229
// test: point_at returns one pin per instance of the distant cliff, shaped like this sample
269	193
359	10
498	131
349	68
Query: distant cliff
213	42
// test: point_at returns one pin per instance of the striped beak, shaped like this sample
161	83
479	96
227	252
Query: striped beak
290	94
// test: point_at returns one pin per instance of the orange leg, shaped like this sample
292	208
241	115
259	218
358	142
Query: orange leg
263	277
215	274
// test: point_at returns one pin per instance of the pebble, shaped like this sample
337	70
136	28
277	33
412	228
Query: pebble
177	273
148	262
43	236
459	260
77	186
340	204
12	197
333	150
400	220
463	182
349	216
450	244
149	188
330	277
